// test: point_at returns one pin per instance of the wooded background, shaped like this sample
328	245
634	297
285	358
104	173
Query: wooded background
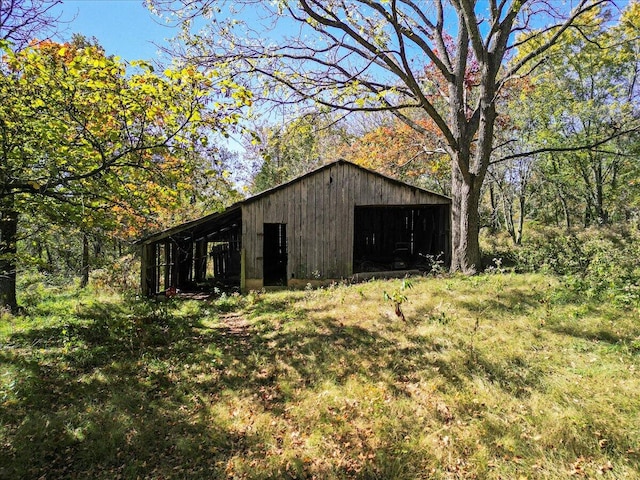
526	113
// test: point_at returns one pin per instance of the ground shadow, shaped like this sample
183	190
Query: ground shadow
122	392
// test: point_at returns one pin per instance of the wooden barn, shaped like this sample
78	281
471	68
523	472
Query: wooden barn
330	224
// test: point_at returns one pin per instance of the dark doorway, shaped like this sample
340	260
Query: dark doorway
399	238
275	254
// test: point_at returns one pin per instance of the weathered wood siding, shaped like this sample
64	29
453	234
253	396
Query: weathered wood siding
319	212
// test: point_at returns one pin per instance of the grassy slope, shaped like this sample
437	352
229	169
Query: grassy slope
495	376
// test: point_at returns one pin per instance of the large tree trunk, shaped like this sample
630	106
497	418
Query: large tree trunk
8	237
465	223
470	161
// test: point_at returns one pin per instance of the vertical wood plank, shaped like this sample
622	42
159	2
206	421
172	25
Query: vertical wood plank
378	188
355	181
328	233
329	226
333	223
243	270
349	174
310	232
341	221
319	214
363	189
258	258
292	250
300	212
251	239
369	189
305	225
248	237
266	208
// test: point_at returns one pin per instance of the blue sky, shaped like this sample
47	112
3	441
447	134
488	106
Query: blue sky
123	27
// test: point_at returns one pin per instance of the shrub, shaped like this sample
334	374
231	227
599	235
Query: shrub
35	287
602	263
120	276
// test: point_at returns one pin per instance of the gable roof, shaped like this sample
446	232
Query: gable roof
326	166
230	213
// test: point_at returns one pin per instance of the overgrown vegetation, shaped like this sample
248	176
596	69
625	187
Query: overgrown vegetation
601	264
500	375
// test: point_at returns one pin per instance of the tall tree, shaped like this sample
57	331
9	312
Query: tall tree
444	58
80	135
585	95
283	152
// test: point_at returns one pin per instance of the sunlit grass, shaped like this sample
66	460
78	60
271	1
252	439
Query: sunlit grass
493	376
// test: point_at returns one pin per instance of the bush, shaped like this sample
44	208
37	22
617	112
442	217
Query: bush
121	276
553	251
602	263
35	287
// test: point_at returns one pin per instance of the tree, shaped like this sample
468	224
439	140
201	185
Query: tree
582	108
395	149
299	145
445	59
83	140
23	20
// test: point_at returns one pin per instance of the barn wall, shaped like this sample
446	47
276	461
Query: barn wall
319	212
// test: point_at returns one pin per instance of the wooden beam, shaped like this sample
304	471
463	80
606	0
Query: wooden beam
243	274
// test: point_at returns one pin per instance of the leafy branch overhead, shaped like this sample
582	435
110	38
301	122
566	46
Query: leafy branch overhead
447	60
81	128
89	140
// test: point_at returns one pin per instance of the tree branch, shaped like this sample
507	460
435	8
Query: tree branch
577	148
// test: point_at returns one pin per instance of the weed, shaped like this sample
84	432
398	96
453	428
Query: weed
228	303
440	317
397	297
496	267
435	264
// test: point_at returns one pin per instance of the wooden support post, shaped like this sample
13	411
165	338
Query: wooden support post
144	270
148	262
183	263
243	275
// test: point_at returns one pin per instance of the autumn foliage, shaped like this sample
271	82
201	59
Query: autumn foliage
98	145
400	151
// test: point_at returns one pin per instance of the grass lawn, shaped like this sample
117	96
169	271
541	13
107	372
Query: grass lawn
494	376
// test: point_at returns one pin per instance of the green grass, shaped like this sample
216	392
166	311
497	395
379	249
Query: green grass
493	376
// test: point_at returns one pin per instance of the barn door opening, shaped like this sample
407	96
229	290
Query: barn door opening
275	254
399	237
